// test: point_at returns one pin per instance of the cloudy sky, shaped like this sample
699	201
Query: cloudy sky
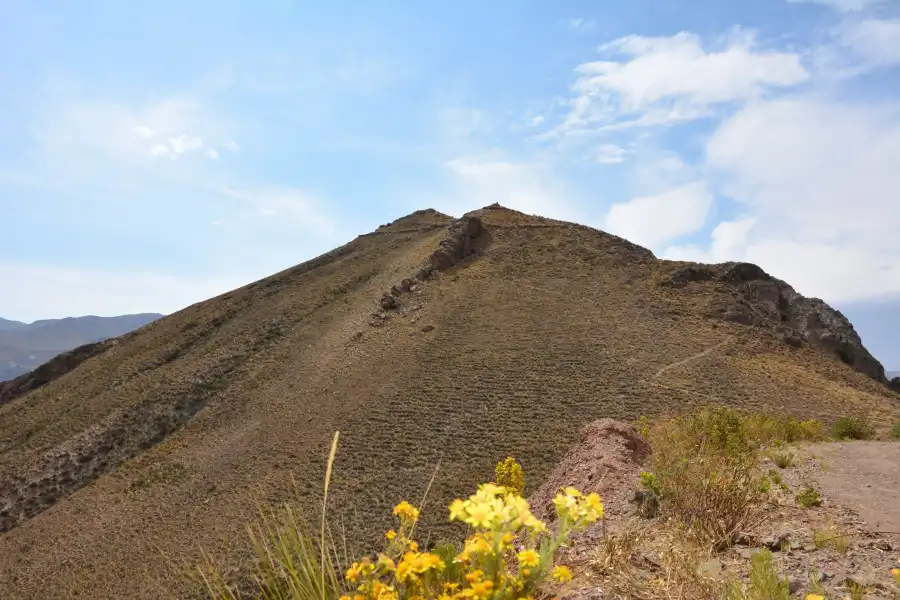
153	154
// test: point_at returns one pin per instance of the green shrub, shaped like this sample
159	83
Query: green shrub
831	538
809	497
895	432
853	428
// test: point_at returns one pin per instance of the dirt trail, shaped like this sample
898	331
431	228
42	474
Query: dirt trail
692	358
863	476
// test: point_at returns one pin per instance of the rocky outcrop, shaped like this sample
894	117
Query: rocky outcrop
461	241
51	370
759	299
894	384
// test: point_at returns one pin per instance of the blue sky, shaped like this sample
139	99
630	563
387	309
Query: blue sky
155	154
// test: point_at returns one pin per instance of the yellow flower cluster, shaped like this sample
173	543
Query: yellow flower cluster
488	567
575	506
492	507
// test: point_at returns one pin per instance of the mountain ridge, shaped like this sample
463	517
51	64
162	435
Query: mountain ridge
429	341
26	346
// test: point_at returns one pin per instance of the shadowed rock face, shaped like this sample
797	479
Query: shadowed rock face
759	299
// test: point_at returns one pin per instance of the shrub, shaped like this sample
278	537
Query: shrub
809	497
510	475
853	428
703	469
895	432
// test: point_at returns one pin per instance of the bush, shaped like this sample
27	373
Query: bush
895	432
703	469
853	428
510	475
809	497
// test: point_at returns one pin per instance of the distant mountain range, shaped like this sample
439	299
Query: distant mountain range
892	374
26	346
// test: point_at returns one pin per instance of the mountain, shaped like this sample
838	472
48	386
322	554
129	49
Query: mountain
7	325
435	346
24	347
892	374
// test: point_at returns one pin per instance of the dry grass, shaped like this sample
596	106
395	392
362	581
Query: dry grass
553	326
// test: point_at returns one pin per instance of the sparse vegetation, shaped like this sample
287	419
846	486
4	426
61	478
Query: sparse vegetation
705	467
809	497
832	538
853	428
765	581
294	565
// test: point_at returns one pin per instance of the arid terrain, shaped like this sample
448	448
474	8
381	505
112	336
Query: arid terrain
504	334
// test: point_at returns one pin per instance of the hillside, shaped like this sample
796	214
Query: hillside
427	341
25	346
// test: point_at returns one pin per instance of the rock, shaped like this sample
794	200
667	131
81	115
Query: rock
759	299
428	328
389	302
458	244
744	539
894	384
882	545
406	285
745	553
777	543
795	584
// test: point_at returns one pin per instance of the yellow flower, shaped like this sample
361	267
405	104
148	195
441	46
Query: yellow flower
344	597
354	572
896	573
529	558
481	515
570	491
562	574
474	576
815	597
391	534
594	508
414	564
381	591
482	589
457	509
406	510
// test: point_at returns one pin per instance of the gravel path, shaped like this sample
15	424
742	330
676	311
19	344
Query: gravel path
864	477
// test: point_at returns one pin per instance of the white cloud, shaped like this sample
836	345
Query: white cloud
652	221
54	292
875	42
841	5
658	80
820	181
610	154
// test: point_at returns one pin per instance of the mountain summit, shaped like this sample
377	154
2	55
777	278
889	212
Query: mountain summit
430	341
